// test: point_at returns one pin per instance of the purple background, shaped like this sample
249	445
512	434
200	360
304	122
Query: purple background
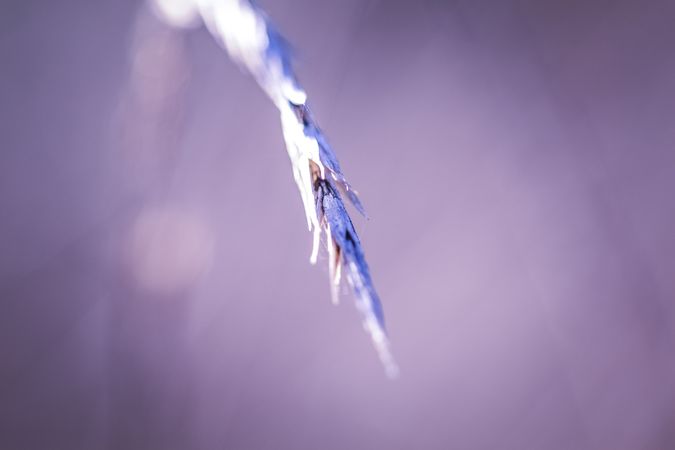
516	160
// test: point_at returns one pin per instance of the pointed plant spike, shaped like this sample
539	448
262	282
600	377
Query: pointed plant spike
247	34
335	218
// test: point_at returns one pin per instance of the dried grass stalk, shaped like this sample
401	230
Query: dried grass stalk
247	34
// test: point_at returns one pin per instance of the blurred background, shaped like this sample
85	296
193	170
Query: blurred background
516	161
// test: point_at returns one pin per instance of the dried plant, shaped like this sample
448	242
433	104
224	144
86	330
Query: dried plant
249	37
